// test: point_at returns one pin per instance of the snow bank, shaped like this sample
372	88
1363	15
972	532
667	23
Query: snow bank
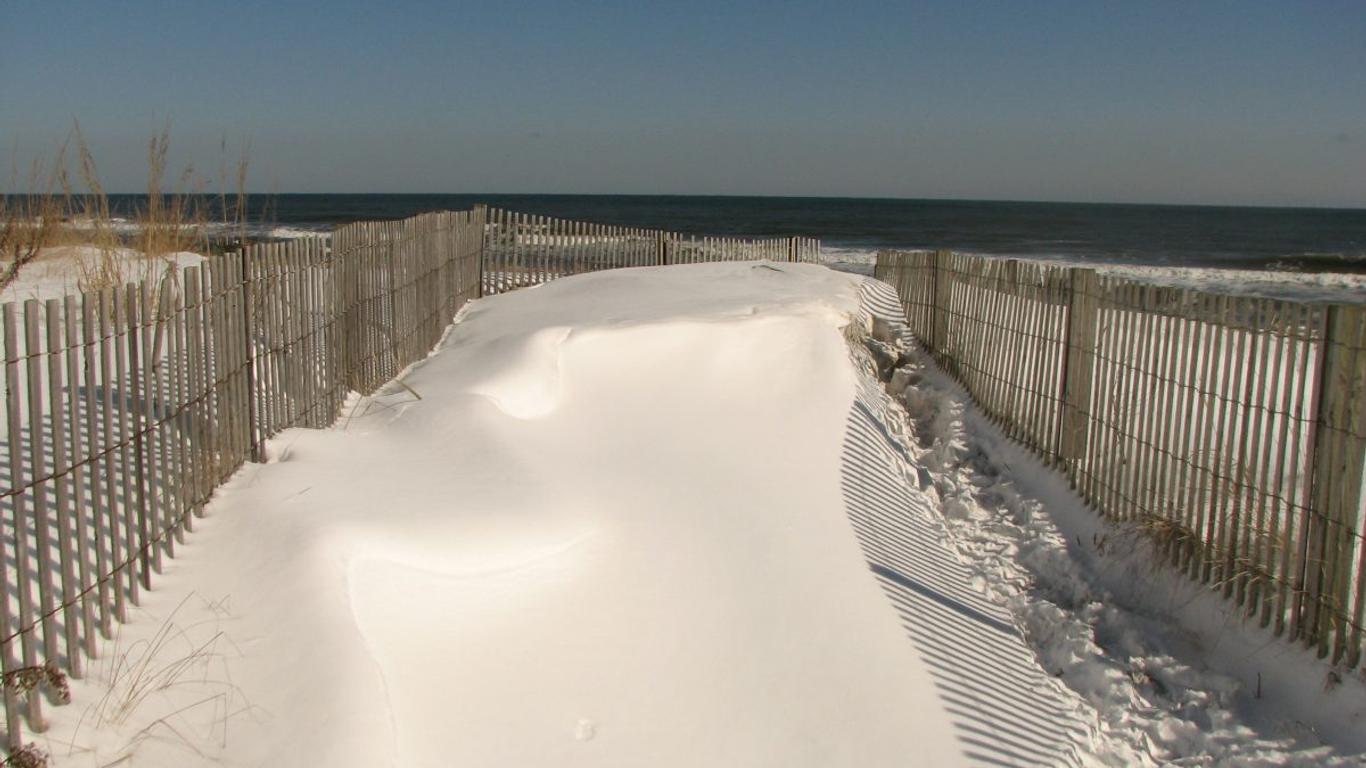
608	523
56	273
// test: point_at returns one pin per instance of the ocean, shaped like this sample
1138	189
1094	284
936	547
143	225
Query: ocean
1296	239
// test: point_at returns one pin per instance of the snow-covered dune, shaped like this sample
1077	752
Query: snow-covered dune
639	517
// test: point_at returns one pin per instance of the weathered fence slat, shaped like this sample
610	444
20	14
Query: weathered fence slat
1337	476
61	481
1078	369
102	542
29	642
78	461
37	482
1234	428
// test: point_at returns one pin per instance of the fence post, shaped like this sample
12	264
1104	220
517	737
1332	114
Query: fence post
248	333
662	253
134	319
943	276
792	249
1078	366
1339	450
481	219
932	336
342	294
389	336
26	653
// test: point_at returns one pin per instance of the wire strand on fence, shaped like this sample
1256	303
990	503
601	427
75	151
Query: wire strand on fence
1233	427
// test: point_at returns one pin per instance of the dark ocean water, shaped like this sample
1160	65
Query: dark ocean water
1285	238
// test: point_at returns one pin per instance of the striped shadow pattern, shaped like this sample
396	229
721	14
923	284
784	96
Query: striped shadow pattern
1006	711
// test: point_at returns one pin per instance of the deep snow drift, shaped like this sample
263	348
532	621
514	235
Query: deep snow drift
667	517
638	517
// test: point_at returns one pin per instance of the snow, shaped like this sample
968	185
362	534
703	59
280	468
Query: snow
668	516
613	530
56	273
1169	671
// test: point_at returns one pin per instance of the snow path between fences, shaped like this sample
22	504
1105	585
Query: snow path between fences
1170	673
658	516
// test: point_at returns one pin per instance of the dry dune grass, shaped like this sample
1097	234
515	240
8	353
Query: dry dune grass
66	212
29	222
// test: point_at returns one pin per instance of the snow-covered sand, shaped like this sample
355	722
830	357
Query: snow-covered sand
57	272
667	516
607	523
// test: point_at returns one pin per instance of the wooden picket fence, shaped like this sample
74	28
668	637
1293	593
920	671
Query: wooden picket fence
126	408
405	282
523	249
1231	427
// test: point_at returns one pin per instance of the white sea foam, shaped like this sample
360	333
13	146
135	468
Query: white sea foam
255	230
1342	287
859	261
296	232
836	254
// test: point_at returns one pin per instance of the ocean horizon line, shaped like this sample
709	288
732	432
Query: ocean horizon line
730	196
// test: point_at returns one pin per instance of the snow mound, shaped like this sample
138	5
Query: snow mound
608	522
526	383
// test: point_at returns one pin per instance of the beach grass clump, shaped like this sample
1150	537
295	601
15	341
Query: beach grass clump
66	218
30	221
162	225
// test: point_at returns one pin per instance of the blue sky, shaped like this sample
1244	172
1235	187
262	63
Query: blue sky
1195	102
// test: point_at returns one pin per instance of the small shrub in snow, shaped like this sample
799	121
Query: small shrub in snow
47	676
27	756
